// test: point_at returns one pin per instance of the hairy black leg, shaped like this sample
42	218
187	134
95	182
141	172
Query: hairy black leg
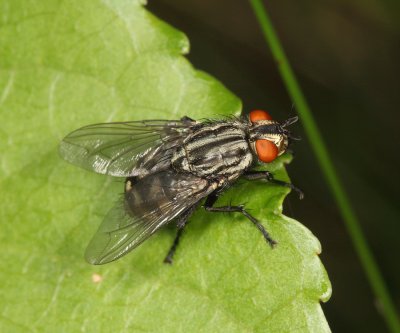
212	198
180	224
254	175
171	252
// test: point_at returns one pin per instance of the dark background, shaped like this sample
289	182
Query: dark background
346	55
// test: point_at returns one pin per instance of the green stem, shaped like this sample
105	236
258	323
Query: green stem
353	226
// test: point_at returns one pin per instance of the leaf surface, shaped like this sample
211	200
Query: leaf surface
72	63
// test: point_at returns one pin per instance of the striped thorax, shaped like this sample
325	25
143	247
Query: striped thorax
215	149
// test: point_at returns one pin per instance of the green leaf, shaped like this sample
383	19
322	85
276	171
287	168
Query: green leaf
67	64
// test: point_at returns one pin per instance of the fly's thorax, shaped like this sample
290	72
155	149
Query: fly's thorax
271	131
215	149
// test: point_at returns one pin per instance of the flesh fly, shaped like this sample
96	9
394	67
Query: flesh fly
170	166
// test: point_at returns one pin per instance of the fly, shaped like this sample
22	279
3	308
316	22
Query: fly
170	166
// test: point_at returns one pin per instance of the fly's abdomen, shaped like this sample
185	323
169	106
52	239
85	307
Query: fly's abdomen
160	197
220	149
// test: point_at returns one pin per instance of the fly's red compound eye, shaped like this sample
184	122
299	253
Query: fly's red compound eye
257	115
266	150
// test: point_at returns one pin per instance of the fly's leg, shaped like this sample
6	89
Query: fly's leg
181	224
171	252
255	175
212	198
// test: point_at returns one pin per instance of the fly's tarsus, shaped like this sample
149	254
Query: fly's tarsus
180	224
212	198
169	257
290	185
256	175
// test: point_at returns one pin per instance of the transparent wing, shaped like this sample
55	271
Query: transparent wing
152	202
118	148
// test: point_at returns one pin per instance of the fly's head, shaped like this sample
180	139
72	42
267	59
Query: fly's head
269	138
